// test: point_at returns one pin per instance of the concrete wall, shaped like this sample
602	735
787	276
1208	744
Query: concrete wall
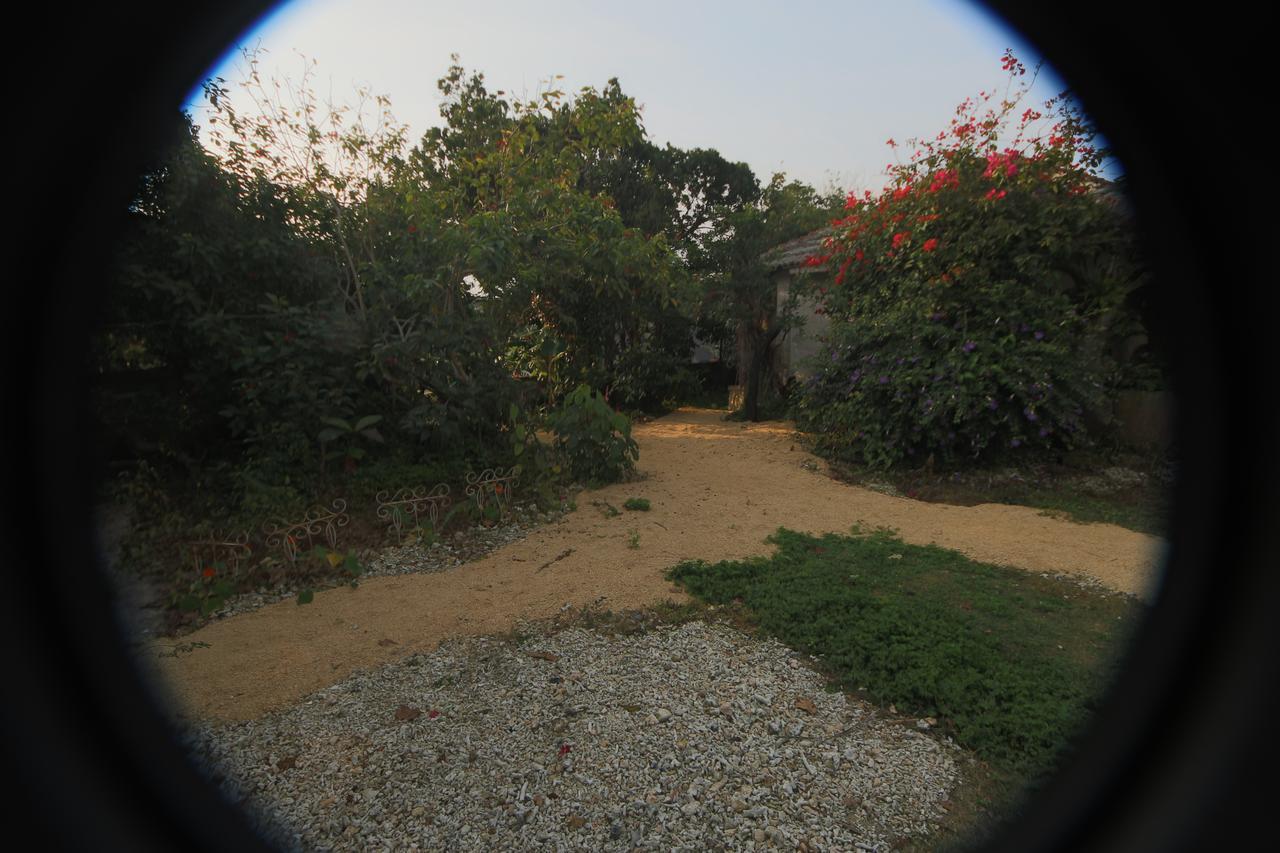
803	342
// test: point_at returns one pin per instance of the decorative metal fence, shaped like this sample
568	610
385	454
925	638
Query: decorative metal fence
407	507
299	536
228	550
492	487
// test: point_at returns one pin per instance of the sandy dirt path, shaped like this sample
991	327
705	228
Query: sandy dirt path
717	490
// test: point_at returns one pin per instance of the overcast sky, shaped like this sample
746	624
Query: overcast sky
807	87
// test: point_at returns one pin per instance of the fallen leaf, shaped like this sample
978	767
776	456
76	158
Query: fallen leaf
385	642
806	704
547	656
287	762
404	713
576	822
432	714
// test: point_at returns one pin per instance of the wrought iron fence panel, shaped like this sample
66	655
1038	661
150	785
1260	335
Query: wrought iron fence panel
492	487
218	548
412	504
318	523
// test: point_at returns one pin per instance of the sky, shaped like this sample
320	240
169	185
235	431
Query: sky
812	88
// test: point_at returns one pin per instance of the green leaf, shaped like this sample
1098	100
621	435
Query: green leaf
306	596
366	422
337	423
373	435
328	435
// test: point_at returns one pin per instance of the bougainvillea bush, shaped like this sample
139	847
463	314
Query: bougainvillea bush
968	298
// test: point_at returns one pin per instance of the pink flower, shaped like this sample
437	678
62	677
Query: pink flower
930	244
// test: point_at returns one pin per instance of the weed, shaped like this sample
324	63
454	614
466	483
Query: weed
182	649
637	504
607	509
633	540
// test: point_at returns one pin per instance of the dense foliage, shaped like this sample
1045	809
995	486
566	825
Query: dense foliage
970	299
594	440
305	303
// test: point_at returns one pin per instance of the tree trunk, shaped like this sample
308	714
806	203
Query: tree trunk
758	367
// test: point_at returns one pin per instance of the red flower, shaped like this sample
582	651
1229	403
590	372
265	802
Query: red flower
900	237
564	750
859	254
432	714
413	229
930	244
843	269
210	571
995	195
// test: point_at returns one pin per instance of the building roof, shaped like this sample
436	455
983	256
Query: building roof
792	254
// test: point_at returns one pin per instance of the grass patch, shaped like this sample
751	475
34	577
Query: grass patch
1128	491
637	504
1010	663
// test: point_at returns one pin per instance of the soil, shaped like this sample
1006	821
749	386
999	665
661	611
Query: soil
717	490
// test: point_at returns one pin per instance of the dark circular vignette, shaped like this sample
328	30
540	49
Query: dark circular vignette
1178	757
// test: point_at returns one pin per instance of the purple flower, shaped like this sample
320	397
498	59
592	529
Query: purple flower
992	405
1031	416
884	380
1017	442
1023	328
1039	335
855	376
1044	431
969	346
935	316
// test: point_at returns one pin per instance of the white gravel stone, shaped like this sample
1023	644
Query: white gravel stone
492	771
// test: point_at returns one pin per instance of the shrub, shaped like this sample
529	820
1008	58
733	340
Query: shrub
970	297
594	440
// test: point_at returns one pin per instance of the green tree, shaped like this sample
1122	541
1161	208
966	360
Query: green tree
740	291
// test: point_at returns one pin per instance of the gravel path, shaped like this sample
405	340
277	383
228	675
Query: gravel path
695	737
